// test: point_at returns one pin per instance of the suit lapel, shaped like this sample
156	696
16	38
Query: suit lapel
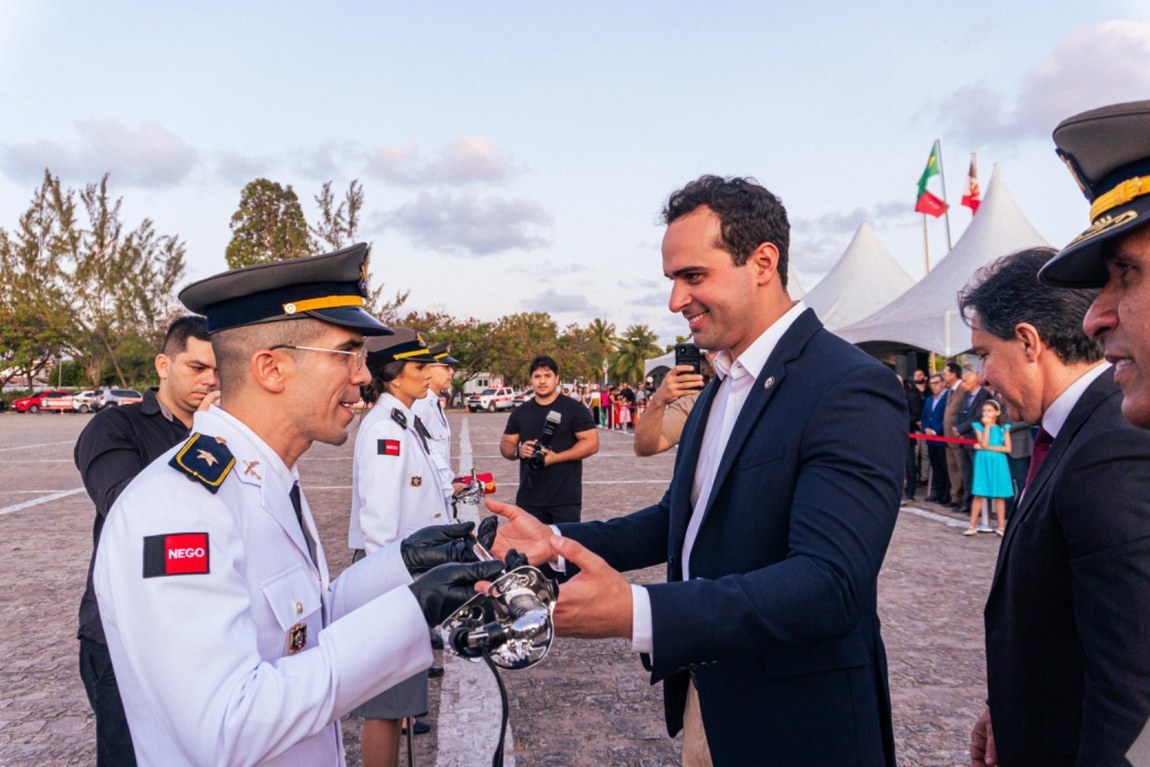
1090	401
768	382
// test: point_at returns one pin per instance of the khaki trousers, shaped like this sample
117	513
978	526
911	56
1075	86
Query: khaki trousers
954	471
696	752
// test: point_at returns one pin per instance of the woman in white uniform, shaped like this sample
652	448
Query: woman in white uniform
395	490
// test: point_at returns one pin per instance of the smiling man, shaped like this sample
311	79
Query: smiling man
230	642
783	500
1067	651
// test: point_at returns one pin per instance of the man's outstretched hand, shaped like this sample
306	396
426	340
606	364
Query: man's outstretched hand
523	532
596	603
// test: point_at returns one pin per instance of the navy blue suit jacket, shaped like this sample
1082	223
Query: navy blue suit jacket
778	625
1068	616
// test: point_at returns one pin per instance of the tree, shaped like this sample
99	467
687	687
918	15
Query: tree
83	287
579	354
269	225
637	345
603	333
516	338
338	227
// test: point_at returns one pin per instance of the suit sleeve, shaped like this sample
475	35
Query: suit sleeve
1103	505
845	502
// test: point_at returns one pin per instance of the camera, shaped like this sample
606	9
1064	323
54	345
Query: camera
538	460
688	354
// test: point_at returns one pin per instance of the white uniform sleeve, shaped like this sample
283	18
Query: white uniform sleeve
197	670
381	478
368	578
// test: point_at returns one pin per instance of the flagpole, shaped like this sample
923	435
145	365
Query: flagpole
925	244
942	176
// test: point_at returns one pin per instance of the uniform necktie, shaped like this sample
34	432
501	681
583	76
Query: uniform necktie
423	433
1042	444
297	504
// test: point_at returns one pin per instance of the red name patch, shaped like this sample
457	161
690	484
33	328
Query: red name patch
388	447
176	554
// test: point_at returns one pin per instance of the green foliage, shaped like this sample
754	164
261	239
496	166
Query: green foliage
268	226
76	284
516	339
635	347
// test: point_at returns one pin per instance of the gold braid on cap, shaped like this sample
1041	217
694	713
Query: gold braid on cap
1120	195
327	302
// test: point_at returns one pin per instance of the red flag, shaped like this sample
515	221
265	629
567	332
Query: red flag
928	203
972	195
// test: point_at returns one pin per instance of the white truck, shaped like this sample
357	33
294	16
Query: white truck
491	400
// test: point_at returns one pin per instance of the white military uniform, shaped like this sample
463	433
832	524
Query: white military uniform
396	486
435	420
246	654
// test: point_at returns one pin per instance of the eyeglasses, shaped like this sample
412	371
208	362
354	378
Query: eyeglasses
359	355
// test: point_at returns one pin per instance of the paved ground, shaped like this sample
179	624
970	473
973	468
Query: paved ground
587	705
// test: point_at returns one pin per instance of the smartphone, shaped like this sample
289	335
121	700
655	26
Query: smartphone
688	354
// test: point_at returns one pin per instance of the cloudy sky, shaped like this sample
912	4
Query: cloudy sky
515	155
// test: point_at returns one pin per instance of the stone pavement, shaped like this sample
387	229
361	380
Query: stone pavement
587	705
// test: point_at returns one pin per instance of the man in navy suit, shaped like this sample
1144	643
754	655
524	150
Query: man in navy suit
783	500
932	413
1067	643
969	412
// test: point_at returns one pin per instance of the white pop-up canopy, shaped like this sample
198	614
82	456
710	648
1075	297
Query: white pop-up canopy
926	316
865	279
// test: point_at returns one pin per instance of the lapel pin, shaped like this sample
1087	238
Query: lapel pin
767	384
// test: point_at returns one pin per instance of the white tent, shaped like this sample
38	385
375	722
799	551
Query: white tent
926	316
865	279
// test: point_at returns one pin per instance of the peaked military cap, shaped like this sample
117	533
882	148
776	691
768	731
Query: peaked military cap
405	345
442	353
1108	152
330	287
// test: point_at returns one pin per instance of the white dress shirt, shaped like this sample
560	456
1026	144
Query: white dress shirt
736	379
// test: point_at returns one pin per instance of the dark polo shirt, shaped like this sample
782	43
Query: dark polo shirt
114	447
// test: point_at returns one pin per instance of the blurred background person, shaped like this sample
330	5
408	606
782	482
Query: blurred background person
990	476
933	409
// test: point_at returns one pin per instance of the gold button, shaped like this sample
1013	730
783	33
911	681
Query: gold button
299	608
289	308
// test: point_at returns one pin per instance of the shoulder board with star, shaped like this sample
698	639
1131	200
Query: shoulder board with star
204	459
398	416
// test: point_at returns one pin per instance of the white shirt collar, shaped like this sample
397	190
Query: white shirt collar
755	356
1055	416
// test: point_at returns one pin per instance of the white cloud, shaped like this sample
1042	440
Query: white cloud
470	222
239	169
466	160
148	156
553	302
1089	68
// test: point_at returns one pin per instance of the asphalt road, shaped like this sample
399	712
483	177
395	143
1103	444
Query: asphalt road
588	704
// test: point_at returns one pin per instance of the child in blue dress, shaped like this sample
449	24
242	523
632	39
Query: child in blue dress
991	467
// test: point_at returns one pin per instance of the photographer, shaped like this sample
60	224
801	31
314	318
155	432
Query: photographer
550	436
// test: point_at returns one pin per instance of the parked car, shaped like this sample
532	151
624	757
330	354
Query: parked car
521	397
35	403
85	401
108	397
492	399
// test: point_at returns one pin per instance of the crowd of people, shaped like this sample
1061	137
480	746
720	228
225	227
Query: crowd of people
793	462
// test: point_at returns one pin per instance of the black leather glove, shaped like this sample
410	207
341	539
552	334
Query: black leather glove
443	590
514	559
486	532
437	545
